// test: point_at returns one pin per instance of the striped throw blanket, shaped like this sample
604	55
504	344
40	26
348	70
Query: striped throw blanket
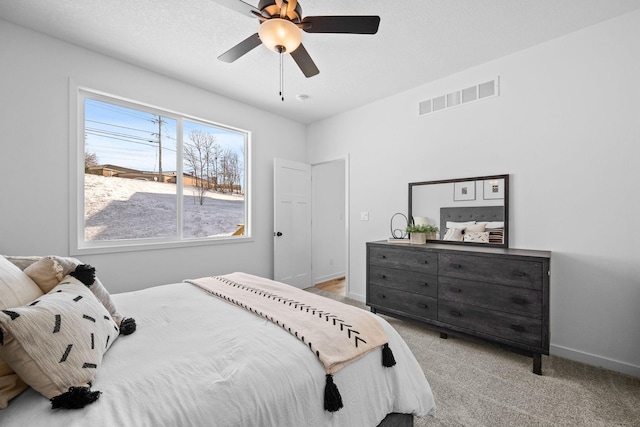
337	333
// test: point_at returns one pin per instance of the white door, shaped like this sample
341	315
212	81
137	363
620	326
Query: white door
292	223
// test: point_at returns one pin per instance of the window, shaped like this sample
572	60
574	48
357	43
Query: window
153	177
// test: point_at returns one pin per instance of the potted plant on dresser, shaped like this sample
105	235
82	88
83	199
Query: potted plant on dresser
418	234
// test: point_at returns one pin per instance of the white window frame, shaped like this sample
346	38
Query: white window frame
78	246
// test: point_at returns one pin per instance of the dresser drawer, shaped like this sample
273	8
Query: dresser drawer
506	326
404	258
409	281
412	304
524	302
510	272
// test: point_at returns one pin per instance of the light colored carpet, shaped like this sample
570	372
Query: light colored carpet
481	385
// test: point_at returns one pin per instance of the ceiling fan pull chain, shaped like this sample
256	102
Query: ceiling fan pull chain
281	79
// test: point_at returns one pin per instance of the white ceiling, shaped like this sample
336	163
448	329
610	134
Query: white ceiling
418	41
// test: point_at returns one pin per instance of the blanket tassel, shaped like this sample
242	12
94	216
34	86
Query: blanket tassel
332	398
387	356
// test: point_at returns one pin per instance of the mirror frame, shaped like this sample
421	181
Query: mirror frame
505	243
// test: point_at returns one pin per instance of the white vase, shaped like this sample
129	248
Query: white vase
418	238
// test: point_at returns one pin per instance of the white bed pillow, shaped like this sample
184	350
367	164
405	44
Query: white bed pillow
16	289
453	224
495	224
474	227
58	340
47	273
454	235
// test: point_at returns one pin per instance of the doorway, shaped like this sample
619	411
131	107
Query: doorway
329	226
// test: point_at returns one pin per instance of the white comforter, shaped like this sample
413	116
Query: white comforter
198	361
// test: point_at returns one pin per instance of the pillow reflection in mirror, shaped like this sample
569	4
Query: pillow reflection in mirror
420	220
495	224
454	234
452	224
474	227
496	235
477	236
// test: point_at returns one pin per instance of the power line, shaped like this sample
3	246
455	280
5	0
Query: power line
117	126
118	109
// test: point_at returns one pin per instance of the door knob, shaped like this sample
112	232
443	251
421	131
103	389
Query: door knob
277	234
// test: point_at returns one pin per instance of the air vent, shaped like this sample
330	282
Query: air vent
460	97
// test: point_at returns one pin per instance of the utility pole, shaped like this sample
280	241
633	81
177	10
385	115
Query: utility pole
160	123
160	149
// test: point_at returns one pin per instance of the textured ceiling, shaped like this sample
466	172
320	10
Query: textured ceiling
418	41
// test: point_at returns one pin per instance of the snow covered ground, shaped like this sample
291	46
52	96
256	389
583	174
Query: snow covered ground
121	208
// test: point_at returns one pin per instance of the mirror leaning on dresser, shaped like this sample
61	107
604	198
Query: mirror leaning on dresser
483	291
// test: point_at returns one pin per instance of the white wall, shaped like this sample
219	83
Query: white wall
34	158
566	126
328	219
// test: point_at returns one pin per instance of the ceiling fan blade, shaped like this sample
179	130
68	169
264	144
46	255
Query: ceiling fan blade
341	24
242	7
304	61
241	48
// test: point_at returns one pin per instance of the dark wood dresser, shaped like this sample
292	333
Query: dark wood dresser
490	294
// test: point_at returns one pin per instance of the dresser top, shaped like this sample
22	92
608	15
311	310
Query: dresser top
439	247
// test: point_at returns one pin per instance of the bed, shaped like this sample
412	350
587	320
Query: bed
473	224
198	360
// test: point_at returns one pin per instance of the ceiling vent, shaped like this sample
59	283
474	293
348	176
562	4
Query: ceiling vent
460	97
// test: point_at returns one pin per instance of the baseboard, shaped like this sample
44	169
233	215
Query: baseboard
328	277
357	297
595	360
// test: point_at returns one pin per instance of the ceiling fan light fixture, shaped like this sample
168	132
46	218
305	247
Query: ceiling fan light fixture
276	32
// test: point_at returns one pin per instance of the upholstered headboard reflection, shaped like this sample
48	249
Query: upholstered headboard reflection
470	213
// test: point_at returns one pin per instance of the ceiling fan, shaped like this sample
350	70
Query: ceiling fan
281	26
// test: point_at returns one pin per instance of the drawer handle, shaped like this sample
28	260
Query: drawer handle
384	257
455	313
458	290
426	284
519	273
383	296
455	266
425	306
518	328
426	262
383	276
519	301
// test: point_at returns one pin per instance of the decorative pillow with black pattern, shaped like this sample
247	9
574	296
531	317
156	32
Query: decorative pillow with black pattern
48	271
56	343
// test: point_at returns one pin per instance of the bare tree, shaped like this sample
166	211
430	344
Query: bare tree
233	170
90	159
215	155
198	152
